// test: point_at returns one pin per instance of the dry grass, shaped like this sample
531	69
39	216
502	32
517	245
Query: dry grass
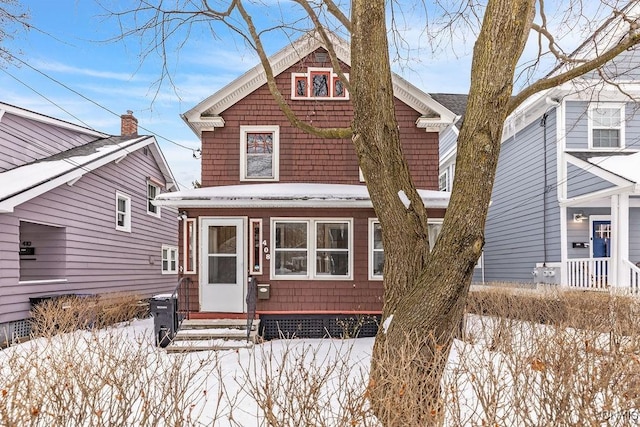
526	359
70	313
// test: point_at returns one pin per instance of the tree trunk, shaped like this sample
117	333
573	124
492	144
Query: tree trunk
425	292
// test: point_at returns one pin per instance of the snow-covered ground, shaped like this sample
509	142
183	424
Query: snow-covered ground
513	375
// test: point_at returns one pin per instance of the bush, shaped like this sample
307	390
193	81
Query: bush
71	313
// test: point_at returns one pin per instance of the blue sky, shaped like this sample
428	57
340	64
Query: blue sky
74	73
66	49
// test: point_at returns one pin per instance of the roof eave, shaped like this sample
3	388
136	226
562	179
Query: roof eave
282	203
8	205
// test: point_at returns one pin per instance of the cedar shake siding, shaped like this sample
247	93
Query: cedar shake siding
301	296
304	157
241	124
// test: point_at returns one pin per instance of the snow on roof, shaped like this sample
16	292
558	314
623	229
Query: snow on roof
285	195
624	166
20	184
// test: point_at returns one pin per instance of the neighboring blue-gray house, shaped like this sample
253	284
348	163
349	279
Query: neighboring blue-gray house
565	206
75	215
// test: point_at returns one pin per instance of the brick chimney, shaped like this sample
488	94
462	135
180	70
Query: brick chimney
129	124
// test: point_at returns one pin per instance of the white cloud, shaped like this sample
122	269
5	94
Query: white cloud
58	67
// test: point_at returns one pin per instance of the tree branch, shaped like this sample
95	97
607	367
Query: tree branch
323	33
275	92
333	9
550	82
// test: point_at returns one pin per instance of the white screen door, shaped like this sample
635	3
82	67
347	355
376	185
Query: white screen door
222	274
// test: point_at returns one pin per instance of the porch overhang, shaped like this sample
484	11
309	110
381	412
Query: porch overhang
289	195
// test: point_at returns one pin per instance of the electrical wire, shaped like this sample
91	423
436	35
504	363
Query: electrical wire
90	100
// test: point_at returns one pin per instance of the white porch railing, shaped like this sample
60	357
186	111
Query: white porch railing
633	272
589	273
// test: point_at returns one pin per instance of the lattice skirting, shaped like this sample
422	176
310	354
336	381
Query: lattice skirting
274	326
13	331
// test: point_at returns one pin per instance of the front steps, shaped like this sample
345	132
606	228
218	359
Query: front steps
213	335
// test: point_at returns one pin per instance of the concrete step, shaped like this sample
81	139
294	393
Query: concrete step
206	345
218	323
213	335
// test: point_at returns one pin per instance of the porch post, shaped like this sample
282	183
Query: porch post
623	240
614	242
564	274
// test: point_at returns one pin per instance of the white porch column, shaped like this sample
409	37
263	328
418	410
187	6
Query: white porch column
614	242
564	274
623	240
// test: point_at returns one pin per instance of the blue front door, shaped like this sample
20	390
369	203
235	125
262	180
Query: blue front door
601	239
601	244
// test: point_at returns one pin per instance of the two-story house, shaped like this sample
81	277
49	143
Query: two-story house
565	207
289	209
76	215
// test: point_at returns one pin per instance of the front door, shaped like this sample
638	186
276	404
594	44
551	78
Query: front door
601	250
601	238
222	272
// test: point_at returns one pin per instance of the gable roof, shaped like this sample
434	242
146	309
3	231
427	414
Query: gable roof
23	183
456	102
618	163
206	115
43	118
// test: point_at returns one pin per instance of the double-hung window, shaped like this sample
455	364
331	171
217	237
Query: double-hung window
312	249
606	125
123	212
259	153
169	259
152	191
376	251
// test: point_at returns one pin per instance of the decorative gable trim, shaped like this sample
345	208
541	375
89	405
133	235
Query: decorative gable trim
209	111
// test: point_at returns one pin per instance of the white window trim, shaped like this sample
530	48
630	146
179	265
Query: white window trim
311	249
243	151
307	75
608	105
255	222
373	221
127	218
151	183
170	249
445	175
185	246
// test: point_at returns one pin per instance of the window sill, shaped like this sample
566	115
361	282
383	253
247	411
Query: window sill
42	282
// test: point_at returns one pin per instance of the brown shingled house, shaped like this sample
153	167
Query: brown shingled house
288	211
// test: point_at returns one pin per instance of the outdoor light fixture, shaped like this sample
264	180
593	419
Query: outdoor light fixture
579	217
182	216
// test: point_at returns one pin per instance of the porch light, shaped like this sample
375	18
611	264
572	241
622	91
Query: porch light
182	216
579	217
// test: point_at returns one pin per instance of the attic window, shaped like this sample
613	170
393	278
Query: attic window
321	57
318	83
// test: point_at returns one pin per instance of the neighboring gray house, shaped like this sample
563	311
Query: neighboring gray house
565	206
75	216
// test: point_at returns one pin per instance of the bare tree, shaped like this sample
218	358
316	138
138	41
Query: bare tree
12	18
425	291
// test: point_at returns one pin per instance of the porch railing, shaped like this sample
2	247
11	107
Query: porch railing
183	301
589	273
633	273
